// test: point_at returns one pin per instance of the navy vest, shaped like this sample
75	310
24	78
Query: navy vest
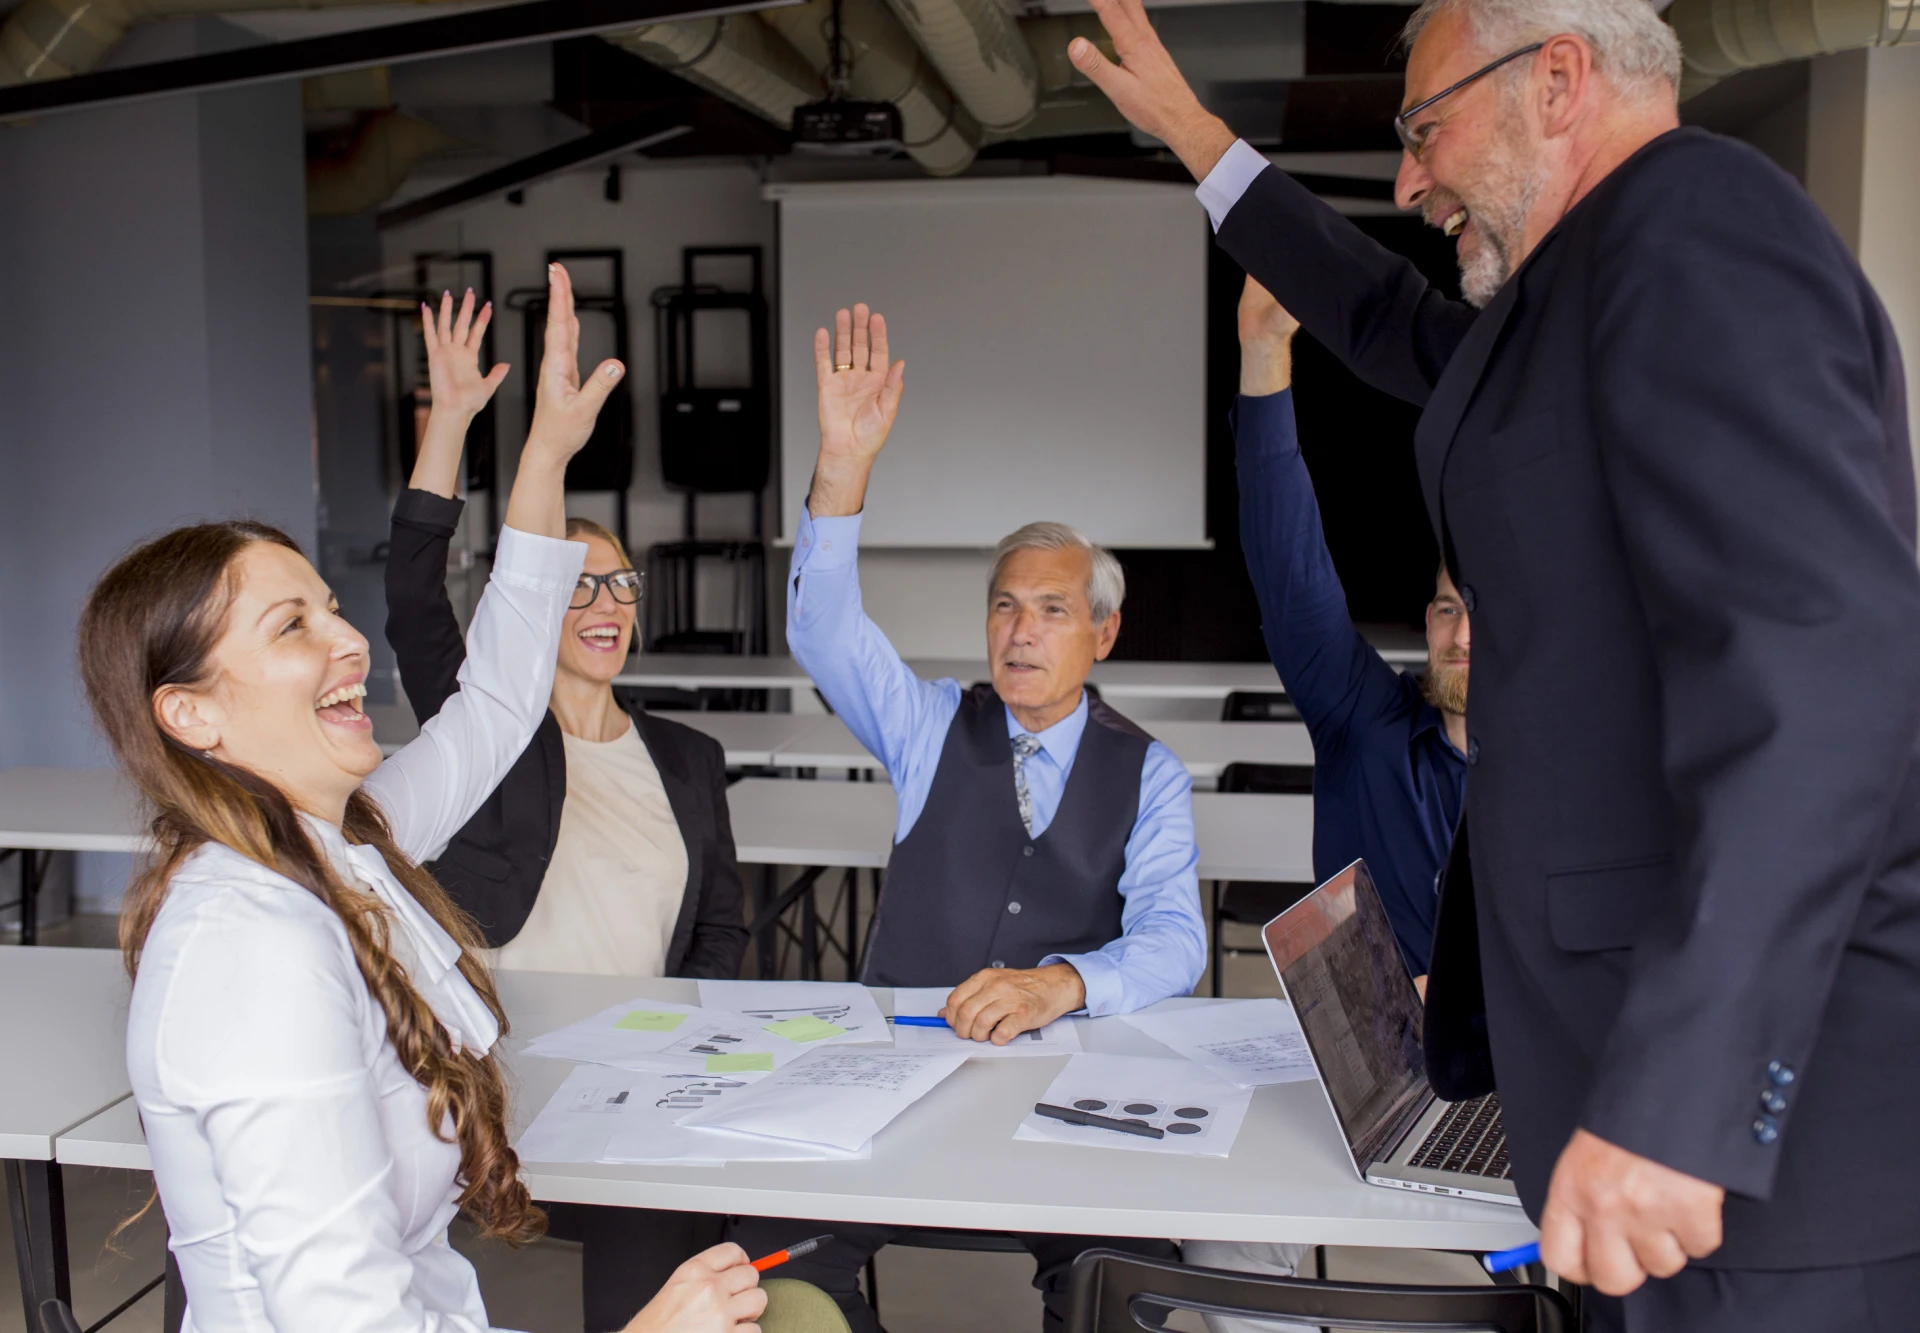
968	888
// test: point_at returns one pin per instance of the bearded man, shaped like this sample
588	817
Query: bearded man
1664	448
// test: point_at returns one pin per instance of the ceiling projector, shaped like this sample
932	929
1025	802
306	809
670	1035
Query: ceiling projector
840	127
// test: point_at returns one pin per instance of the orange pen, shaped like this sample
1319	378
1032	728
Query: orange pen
799	1251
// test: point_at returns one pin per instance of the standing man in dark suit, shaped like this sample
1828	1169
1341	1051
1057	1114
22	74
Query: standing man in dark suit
1665	450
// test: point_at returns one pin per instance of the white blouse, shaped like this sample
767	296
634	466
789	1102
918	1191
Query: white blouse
302	1186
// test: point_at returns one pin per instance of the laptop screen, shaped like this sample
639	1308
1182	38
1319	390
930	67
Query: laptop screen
1336	956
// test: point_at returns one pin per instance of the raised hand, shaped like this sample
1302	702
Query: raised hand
1148	88
1266	342
859	399
565	408
453	356
563	415
459	389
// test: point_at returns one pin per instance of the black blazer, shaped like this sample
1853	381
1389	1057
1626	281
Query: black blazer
494	865
1669	468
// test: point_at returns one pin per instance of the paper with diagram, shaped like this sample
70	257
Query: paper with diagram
804	1008
602	1114
1199	1113
1060	1037
1249	1042
675	1038
840	1096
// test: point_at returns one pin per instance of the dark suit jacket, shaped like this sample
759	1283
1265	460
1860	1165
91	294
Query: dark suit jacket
494	865
1669	468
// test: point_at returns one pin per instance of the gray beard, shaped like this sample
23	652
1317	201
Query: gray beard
1511	189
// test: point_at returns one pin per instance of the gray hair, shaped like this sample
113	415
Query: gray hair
1106	582
1632	45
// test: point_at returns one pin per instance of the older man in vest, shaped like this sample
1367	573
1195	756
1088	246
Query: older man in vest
1043	860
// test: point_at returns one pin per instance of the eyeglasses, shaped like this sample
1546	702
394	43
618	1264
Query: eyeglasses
624	584
1415	141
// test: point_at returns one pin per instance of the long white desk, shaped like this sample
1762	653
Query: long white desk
1204	747
1117	680
69	810
776	822
951	1159
63	1049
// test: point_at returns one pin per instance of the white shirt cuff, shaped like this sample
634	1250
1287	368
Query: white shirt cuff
542	564
1229	179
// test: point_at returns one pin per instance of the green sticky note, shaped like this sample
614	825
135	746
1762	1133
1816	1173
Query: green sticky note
641	1020
807	1028
741	1062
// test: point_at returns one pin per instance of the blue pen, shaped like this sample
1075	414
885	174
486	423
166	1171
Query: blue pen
920	1022
1519	1256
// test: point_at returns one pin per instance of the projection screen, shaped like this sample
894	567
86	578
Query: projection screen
1055	340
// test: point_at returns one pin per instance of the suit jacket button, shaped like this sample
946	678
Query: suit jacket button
996	963
1473	751
1466	597
1765	1130
1014	908
1027	850
1772	1102
1780	1075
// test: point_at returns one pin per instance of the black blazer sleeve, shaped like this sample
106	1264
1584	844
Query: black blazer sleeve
1765	504
421	625
1367	305
719	941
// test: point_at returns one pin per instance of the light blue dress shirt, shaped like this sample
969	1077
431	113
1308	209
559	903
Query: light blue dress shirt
903	721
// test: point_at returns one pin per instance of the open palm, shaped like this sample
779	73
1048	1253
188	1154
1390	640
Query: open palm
453	356
565	406
859	390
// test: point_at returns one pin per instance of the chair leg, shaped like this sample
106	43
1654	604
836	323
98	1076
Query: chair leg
1219	954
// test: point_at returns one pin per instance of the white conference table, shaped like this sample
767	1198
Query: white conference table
778	822
951	1160
63	1047
1139	680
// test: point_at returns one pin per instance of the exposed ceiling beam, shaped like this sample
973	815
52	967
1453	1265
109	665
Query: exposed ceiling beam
472	30
636	135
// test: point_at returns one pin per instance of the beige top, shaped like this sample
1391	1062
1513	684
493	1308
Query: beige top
619	871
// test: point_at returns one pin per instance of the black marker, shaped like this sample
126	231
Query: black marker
1074	1116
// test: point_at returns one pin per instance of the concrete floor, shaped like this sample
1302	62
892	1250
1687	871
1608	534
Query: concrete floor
538	1289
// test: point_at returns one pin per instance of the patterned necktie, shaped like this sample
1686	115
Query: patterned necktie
1024	748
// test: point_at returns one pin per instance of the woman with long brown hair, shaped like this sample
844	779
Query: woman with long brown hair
310	1032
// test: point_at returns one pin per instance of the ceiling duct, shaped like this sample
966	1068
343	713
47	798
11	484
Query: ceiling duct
884	65
385	147
51	39
978	48
1723	37
736	57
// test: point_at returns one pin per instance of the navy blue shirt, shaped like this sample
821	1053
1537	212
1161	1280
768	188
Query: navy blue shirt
1387	783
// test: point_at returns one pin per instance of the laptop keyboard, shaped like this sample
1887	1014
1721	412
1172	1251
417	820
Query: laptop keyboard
1469	1140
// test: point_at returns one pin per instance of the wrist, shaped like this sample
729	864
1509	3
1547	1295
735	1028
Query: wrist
839	488
1201	140
1068	988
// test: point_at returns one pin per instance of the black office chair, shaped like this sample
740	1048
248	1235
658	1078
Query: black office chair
1256	902
1258	706
1124	1293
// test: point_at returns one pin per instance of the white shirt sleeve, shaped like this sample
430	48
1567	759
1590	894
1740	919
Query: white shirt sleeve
434	785
1229	179
268	1043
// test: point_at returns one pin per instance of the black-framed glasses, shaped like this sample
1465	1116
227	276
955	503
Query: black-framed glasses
1415	141
625	585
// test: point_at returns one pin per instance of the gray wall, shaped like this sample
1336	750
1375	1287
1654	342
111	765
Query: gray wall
154	366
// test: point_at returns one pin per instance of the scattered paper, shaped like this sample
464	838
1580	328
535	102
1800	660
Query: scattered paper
1060	1037
740	1062
601	1114
845	1004
1200	1114
837	1097
805	1028
1248	1042
660	1035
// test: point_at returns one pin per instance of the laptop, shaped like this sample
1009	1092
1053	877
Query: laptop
1335	955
